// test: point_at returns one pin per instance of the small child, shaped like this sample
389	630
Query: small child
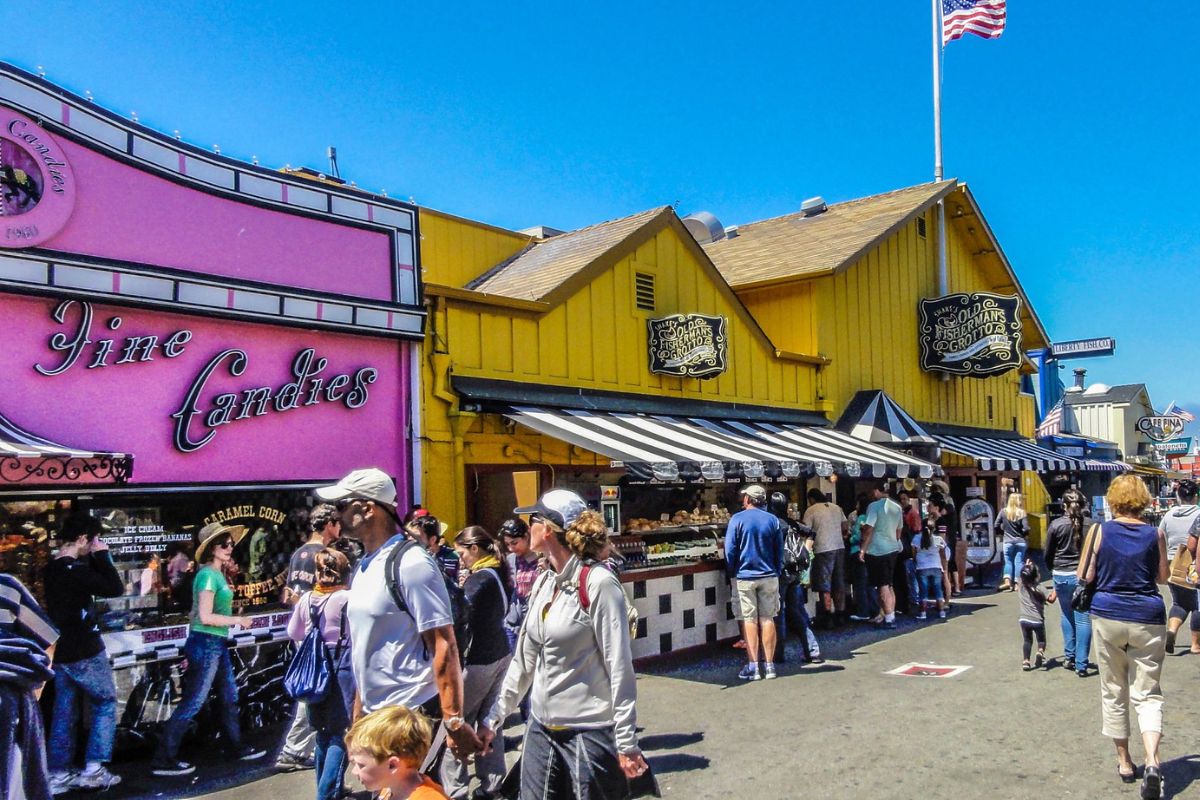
1033	614
929	550
386	748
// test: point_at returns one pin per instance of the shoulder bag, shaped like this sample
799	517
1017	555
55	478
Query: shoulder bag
1081	598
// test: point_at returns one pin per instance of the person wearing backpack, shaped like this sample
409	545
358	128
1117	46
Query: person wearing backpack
574	654
399	655
324	609
486	661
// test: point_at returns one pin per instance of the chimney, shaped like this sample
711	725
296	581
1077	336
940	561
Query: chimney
1080	374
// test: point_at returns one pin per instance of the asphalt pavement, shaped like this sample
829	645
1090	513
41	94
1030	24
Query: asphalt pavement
847	729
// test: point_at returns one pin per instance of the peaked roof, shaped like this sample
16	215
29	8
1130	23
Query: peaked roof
795	245
873	416
545	266
1124	393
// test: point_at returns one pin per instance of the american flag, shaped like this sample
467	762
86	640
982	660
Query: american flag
981	17
1052	424
1175	411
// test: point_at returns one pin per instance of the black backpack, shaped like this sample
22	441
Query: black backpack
458	601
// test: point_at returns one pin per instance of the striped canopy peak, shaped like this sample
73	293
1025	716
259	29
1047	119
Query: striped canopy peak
873	416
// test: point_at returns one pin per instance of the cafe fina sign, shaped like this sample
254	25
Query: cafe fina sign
975	335
688	345
88	344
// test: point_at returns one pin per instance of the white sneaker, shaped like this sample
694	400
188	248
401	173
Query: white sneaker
922	615
61	782
98	778
941	615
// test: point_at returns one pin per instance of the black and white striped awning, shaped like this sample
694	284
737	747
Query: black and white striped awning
31	459
874	417
1009	454
1102	465
667	448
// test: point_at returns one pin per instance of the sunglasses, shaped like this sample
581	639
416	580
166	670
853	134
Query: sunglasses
344	503
535	519
225	543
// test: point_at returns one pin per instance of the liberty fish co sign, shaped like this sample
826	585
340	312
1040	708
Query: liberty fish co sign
975	335
688	345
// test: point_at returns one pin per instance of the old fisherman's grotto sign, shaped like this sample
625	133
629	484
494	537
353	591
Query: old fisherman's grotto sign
976	335
688	345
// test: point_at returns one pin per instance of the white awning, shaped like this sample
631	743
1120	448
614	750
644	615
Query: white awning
666	448
30	459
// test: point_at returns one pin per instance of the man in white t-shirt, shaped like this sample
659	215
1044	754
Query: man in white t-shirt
829	523
399	656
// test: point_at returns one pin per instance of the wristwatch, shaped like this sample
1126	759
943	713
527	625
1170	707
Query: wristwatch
454	723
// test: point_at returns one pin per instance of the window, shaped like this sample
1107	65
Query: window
643	291
921	226
991	409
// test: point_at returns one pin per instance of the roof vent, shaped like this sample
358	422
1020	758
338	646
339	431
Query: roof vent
704	227
813	206
541	232
731	232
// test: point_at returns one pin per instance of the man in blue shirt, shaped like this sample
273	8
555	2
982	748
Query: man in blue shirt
754	554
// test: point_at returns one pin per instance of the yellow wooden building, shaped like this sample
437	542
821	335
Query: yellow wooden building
518	318
844	283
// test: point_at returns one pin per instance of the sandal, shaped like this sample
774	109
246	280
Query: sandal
1025	665
1152	783
740	644
1040	660
1127	777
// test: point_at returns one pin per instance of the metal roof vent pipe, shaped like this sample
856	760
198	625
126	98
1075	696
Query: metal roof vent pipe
704	227
1080	375
813	206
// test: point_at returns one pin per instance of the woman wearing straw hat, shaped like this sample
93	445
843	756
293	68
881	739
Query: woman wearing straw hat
207	654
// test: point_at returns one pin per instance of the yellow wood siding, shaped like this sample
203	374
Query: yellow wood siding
596	339
455	251
865	319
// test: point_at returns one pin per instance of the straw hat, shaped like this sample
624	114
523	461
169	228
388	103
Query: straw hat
209	535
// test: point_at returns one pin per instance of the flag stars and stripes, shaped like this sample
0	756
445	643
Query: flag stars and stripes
981	17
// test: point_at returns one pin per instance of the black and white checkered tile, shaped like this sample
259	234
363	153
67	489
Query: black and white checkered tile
682	611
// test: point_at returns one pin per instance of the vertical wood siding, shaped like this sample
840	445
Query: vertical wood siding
455	251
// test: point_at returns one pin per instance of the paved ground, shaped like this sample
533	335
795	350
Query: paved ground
845	729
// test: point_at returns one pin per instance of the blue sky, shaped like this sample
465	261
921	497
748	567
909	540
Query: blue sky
1076	130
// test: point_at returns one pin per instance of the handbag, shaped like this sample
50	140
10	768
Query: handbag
1183	569
1081	598
310	673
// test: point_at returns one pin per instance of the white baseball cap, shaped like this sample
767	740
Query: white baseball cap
369	484
560	507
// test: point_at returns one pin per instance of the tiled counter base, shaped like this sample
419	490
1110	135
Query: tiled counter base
679	607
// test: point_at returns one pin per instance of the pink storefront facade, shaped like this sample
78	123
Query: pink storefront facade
187	338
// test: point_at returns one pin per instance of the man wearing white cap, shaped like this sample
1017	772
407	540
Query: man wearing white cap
400	656
754	553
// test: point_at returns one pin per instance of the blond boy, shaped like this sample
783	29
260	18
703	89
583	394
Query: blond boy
386	748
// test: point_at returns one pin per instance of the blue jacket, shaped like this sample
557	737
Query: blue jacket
754	544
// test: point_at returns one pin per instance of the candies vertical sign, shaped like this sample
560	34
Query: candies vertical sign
37	187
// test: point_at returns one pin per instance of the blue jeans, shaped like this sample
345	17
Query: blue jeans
914	586
795	610
1014	559
931	585
92	678
209	664
1076	625
329	763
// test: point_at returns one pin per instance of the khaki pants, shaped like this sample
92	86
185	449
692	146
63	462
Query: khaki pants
1130	656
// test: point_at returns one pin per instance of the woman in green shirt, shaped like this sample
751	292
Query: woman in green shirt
208	660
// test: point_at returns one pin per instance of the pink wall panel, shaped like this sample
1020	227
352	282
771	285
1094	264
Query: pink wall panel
127	214
128	407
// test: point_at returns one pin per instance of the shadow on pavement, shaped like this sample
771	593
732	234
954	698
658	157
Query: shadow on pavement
670	741
1179	774
719	664
676	762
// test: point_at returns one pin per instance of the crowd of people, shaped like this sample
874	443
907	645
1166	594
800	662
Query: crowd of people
430	644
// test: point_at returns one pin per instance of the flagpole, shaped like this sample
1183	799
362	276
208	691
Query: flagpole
943	282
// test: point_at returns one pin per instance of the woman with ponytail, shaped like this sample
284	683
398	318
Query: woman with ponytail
1064	542
487	657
